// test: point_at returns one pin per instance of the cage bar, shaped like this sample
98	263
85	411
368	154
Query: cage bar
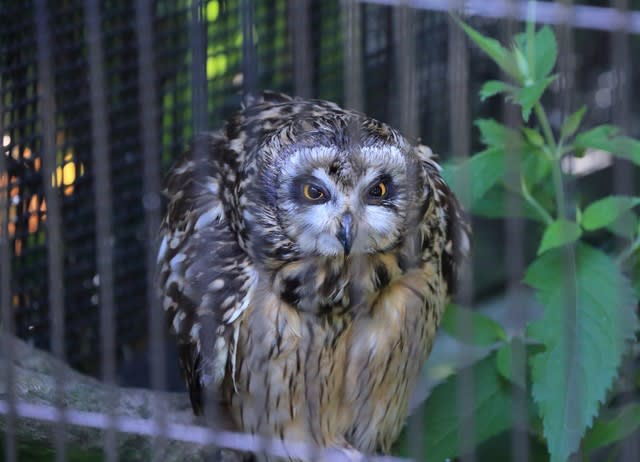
54	207
104	211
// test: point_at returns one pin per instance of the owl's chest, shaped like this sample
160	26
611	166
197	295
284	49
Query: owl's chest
334	380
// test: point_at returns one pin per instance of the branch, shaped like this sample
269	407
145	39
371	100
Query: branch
34	383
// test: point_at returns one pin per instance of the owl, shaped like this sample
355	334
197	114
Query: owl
305	261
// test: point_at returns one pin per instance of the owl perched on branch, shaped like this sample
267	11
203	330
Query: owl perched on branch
306	257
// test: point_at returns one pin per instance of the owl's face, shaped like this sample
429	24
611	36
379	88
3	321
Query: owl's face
333	201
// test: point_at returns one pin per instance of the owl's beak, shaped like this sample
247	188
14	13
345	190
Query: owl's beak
346	232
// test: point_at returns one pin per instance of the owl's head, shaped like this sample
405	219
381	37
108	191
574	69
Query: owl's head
336	200
336	183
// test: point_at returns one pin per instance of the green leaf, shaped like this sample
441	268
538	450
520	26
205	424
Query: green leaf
494	205
481	171
535	166
499	54
559	233
528	96
605	211
533	136
484	330
635	277
494	87
504	362
545	52
489	412
589	317
523	65
495	134
571	123
625	225
607	138
607	431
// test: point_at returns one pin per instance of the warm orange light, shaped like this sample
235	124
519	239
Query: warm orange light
26	153
33	224
69	173
18	247
37	164
43	205
11	227
33	204
68	190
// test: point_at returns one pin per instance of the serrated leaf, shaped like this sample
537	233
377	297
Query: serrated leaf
528	96
494	87
481	171
545	52
603	212
607	138
589	316
607	431
559	233
571	123
499	54
489	413
484	330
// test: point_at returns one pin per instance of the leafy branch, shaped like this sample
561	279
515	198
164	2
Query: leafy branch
588	298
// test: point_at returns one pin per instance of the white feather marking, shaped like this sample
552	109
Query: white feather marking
226	304
195	332
177	320
212	186
209	217
236	144
183	168
176	260
216	284
162	251
234	356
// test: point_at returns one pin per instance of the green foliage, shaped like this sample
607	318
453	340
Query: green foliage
605	211
589	317
483	330
589	297
609	430
608	138
489	412
559	233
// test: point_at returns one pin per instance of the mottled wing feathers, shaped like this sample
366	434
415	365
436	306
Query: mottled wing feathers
204	275
447	215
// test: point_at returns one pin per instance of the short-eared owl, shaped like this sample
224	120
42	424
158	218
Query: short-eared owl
307	253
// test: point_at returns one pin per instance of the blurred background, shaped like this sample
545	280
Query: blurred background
203	55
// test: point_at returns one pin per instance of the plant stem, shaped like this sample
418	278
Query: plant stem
534	203
626	253
546	128
556	167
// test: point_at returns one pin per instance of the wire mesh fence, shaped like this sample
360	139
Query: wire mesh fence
98	100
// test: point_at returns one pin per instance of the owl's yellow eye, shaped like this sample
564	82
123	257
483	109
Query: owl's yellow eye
312	192
379	191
